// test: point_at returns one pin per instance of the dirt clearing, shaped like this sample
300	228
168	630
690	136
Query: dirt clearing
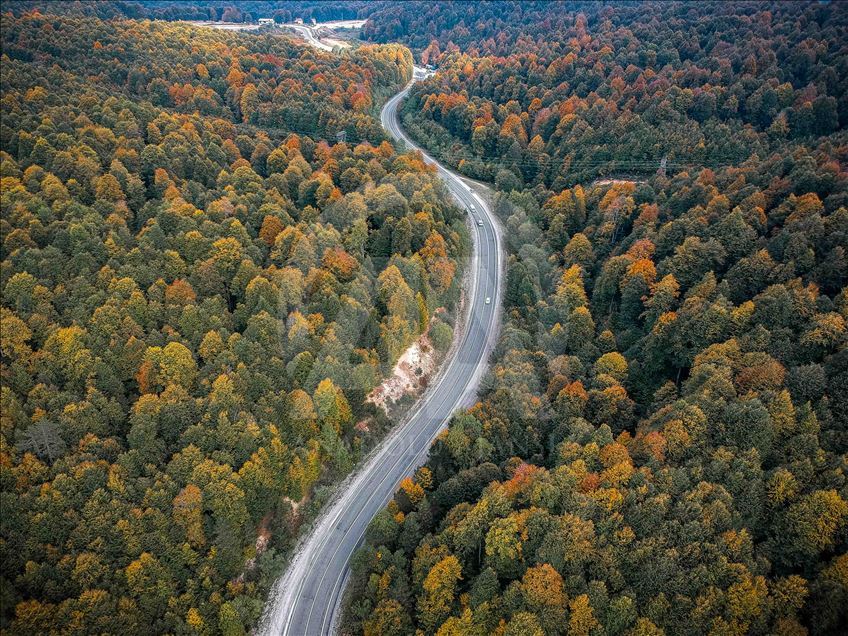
410	376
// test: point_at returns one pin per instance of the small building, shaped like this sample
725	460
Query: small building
298	20
266	22
313	21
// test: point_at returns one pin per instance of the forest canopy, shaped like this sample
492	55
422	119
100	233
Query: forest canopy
198	292
660	444
215	10
201	284
535	95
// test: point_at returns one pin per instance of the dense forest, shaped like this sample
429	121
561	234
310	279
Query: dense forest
558	98
270	82
201	285
214	10
661	443
198	292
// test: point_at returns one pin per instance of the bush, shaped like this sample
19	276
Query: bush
441	335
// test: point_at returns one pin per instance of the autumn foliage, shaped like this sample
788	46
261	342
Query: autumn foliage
660	443
194	306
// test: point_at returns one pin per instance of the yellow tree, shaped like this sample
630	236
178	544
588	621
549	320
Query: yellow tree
581	620
188	513
331	405
439	592
543	591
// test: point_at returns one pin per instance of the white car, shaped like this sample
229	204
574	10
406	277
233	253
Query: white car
488	300
479	222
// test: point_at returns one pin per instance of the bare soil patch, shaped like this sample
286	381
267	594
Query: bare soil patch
410	375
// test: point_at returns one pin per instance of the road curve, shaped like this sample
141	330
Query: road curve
309	36
305	601
309	31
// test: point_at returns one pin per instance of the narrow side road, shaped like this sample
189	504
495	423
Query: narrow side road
306	599
309	33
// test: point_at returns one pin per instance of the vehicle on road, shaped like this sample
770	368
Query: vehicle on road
480	222
305	599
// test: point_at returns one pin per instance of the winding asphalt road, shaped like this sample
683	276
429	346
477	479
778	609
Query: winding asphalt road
305	601
309	32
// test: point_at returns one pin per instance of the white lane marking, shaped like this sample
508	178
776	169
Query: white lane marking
416	460
339	509
459	400
452	179
330	610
